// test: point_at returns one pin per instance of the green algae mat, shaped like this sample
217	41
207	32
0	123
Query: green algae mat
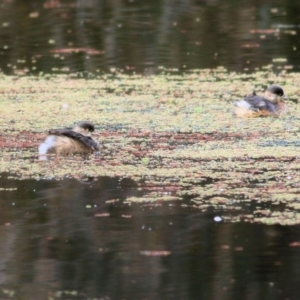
174	135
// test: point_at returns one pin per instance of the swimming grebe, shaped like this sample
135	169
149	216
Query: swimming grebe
69	141
271	104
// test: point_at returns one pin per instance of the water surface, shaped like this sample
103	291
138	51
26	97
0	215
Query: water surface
61	36
80	240
75	239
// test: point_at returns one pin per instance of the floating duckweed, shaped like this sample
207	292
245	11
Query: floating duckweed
174	135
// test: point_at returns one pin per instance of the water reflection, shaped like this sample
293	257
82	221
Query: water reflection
71	36
73	240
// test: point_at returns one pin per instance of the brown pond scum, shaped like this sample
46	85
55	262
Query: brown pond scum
175	136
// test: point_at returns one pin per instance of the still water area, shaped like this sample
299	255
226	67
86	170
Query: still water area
73	239
80	240
56	36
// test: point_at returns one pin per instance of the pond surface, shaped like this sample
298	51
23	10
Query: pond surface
80	240
83	239
66	36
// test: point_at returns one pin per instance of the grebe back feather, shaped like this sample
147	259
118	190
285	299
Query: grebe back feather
70	141
272	103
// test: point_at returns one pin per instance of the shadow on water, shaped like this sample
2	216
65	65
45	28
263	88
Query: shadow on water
79	240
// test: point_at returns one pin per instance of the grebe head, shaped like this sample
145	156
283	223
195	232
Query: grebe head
84	127
274	93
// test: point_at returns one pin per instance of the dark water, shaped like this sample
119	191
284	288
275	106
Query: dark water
63	36
62	239
74	240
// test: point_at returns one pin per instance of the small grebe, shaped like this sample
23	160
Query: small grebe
271	104
69	141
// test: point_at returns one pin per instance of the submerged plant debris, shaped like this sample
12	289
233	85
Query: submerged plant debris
174	135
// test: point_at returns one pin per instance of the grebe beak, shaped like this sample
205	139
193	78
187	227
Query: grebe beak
285	97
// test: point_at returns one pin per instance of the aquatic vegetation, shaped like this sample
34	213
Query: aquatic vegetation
175	136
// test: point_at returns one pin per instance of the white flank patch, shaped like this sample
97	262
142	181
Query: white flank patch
47	144
243	104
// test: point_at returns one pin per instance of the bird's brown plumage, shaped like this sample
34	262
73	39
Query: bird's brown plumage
70	141
271	104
